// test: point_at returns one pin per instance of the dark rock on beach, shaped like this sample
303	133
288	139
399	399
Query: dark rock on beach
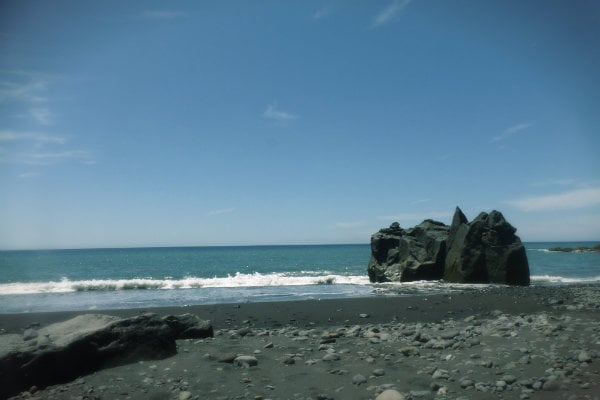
63	351
408	255
486	250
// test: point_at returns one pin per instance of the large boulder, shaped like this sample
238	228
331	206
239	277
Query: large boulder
64	351
486	250
408	255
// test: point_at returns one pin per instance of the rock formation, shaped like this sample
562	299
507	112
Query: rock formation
63	351
485	250
408	255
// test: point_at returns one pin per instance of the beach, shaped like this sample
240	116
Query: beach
497	342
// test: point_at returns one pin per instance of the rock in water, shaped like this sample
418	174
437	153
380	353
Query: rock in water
408	255
63	351
486	250
483	251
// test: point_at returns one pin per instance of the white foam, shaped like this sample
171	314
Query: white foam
238	280
563	279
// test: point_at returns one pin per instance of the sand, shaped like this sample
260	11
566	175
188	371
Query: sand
504	343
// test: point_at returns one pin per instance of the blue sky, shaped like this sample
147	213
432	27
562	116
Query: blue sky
270	122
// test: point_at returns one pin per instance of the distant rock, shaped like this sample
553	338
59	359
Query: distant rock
577	249
63	351
485	250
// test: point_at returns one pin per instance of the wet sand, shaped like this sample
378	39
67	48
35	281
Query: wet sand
505	343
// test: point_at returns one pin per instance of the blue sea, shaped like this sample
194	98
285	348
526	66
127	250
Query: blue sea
97	279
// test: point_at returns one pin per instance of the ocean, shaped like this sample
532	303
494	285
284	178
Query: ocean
99	279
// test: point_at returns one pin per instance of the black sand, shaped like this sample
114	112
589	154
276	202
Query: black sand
504	343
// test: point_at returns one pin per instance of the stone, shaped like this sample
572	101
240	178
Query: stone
358	379
331	357
245	361
583	356
408	255
409	351
390	394
185	395
486	250
89	342
440	374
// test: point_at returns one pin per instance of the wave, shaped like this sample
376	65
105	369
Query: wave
563	279
231	281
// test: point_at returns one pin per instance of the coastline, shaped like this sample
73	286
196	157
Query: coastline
329	312
465	345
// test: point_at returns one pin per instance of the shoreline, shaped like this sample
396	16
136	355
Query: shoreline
493	343
328	312
381	308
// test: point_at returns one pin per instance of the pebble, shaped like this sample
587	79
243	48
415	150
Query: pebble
551	385
245	361
379	372
465	383
185	395
440	374
390	394
331	357
584	357
358	379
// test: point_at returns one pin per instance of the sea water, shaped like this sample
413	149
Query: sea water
90	279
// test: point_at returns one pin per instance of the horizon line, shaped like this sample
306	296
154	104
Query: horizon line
141	247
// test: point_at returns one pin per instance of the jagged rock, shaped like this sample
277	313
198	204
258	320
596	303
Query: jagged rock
485	250
63	351
408	255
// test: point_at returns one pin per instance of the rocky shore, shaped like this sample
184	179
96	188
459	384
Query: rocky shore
494	343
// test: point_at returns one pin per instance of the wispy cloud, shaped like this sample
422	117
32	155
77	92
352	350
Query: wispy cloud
162	14
558	182
29	88
322	13
273	113
34	148
56	157
220	212
574	199
29	92
29	175
38	139
42	115
389	13
511	131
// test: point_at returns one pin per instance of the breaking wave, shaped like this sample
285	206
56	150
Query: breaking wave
231	281
563	279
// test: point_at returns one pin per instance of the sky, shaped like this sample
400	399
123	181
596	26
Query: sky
192	123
